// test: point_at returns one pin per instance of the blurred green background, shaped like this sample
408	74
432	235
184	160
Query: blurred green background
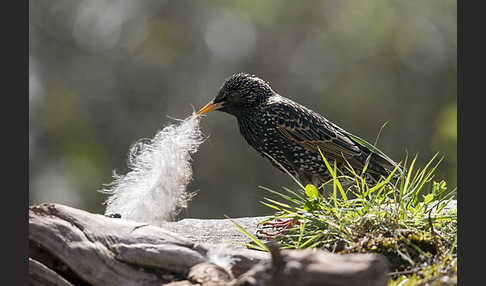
103	74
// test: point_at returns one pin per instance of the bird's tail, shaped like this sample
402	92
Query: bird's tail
379	161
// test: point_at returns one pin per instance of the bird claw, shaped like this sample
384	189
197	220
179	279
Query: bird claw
279	224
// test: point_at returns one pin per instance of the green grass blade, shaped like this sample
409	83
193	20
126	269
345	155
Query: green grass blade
409	175
333	174
278	203
293	193
373	149
271	206
314	237
285	197
249	235
390	176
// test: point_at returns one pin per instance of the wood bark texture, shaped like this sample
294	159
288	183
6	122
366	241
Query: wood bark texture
68	246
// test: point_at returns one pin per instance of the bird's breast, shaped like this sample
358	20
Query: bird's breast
261	133
256	129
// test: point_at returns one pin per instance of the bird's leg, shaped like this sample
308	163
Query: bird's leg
281	223
265	235
278	227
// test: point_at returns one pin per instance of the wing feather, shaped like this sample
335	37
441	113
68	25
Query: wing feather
311	130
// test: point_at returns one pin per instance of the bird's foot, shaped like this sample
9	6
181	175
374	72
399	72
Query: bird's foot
275	227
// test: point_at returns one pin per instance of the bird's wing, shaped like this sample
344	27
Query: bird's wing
311	130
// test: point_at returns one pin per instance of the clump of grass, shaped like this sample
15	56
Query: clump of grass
404	216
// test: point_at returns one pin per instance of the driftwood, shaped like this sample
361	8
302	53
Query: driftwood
68	246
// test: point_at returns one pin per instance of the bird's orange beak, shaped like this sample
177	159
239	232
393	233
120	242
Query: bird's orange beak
210	107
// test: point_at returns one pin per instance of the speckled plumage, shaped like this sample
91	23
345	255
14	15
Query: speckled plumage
291	133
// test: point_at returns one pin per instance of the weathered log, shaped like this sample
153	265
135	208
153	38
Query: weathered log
312	267
68	246
39	274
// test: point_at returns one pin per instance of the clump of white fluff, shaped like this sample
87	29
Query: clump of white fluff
154	190
220	257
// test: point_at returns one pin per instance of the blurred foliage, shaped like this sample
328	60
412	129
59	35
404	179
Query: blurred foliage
445	139
105	73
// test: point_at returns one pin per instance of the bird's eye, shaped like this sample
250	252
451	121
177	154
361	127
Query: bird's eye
234	96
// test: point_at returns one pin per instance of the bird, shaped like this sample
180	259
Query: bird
293	136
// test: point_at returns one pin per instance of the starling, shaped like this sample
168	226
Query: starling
284	131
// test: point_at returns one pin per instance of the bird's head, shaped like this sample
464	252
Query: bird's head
240	93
